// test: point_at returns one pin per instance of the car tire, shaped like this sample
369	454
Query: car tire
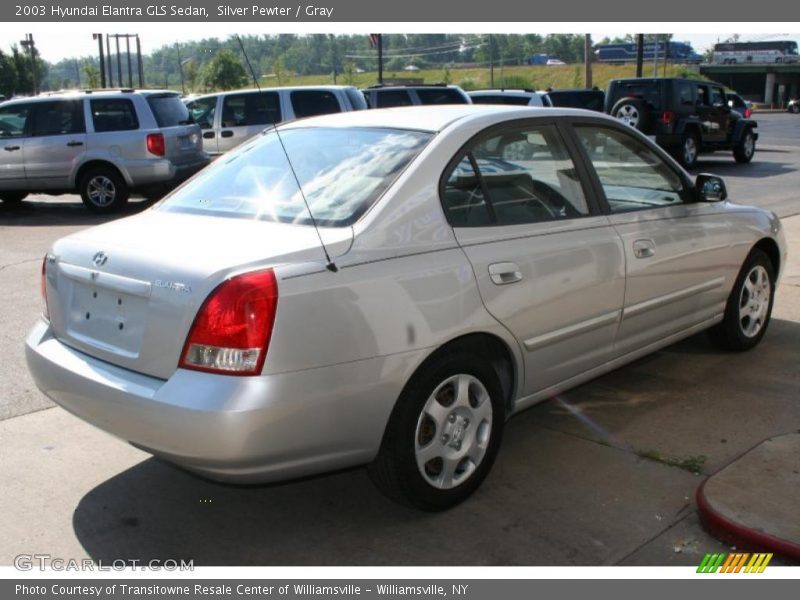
794	108
745	148
749	306
12	197
633	112
443	435
686	154
103	190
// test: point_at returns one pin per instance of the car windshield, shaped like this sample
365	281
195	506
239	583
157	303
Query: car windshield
342	171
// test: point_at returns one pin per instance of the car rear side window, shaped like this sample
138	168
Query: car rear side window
58	118
463	197
527	175
203	111
390	98
169	110
256	108
309	103
632	175
441	96
113	114
13	120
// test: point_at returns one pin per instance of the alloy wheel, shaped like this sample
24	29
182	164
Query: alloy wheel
754	301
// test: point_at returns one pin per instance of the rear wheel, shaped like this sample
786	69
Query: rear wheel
744	150
12	197
749	307
443	435
103	190
795	108
633	112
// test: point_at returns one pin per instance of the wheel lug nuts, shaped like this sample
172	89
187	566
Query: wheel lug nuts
452	418
445	438
458	446
466	422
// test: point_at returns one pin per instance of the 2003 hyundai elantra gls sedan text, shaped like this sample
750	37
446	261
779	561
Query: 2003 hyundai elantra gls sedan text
479	259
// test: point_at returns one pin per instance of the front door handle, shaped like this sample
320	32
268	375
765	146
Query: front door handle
644	248
505	273
74	143
226	133
209	135
10	148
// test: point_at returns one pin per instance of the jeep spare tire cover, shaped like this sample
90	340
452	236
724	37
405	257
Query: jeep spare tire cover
634	112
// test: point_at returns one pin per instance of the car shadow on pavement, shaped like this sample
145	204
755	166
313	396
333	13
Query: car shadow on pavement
754	170
583	478
34	213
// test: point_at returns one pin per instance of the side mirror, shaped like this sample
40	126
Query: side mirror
710	188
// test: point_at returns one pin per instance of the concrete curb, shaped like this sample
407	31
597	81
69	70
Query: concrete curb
731	530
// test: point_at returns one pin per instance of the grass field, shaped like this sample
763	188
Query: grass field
533	77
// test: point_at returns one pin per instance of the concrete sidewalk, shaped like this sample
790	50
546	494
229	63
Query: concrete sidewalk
605	474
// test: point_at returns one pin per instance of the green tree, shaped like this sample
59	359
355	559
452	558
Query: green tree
92	75
224	72
8	75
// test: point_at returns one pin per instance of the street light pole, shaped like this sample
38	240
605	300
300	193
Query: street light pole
29	45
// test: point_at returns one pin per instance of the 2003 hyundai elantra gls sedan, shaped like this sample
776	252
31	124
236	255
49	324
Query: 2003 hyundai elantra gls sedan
392	292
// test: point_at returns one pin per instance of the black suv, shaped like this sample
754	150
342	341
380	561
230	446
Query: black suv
686	116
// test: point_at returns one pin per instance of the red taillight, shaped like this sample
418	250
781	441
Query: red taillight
155	143
747	113
43	288
231	332
667	117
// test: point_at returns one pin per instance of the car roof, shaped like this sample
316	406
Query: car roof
507	92
432	117
269	89
76	94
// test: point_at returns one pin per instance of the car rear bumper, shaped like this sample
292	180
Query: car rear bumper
237	429
149	172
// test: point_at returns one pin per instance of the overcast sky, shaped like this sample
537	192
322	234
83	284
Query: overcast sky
57	41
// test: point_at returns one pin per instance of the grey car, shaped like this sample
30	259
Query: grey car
390	289
102	144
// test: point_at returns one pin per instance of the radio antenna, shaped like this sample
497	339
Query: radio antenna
331	266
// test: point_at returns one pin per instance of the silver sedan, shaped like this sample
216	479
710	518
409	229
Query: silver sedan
388	287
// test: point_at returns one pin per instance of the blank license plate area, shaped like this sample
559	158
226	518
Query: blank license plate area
109	320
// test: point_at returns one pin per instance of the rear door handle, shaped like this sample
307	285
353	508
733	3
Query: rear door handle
644	248
74	143
504	273
226	134
208	135
10	148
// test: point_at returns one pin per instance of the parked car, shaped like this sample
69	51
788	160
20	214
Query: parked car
476	260
101	144
230	118
687	117
387	96
589	99
793	106
512	97
739	104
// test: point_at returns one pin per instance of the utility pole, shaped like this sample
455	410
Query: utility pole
30	46
99	38
333	57
119	61
491	60
78	72
639	53
655	55
180	67
380	58
110	66
128	53
587	58
139	61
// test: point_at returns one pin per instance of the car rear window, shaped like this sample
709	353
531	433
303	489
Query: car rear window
309	103
500	99
390	98
169	110
588	99
441	96
113	114
342	172
650	93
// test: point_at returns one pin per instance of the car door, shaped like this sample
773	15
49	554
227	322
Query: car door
549	267
204	112
244	115
56	145
708	114
14	128
720	113
676	250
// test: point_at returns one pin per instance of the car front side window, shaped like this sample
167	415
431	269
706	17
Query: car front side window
13	120
632	175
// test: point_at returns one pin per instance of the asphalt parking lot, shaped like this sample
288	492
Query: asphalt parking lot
605	474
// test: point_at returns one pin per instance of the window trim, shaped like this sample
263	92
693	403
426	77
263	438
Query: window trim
564	132
688	193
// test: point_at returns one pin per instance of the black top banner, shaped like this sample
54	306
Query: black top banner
496	11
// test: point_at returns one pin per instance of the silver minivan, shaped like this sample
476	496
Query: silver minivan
101	144
230	118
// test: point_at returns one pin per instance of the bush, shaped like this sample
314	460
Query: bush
513	82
